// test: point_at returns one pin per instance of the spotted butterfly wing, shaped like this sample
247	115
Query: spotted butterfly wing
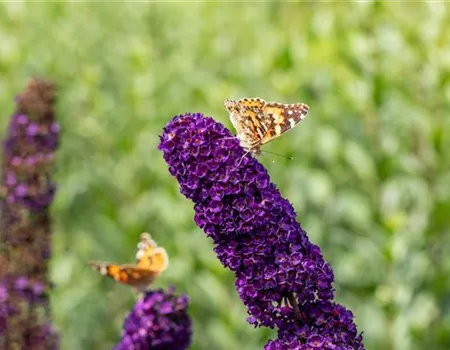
282	118
257	122
247	117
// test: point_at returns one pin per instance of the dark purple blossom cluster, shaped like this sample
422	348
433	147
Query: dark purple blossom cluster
322	325
158	321
19	295
26	193
279	272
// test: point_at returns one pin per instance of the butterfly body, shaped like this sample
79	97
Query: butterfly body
151	261
258	122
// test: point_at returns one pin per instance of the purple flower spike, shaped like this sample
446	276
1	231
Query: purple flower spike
256	235
159	321
26	193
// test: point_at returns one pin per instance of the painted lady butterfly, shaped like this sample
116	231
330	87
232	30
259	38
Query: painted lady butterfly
258	122
151	260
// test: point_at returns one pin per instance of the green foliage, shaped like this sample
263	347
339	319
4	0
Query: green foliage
370	178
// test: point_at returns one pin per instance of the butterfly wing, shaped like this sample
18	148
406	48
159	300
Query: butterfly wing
159	260
150	256
247	117
146	247
126	274
280	118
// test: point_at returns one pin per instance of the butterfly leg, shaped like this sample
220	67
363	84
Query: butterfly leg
254	149
242	158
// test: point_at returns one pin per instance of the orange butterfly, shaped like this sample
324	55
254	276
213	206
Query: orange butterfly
151	261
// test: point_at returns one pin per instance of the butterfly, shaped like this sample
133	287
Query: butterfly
258	122
151	261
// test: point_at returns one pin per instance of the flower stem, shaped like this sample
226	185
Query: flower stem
294	304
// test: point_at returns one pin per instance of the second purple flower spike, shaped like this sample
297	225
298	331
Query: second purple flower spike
158	321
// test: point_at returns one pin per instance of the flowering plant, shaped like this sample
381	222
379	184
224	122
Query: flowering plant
281	277
26	192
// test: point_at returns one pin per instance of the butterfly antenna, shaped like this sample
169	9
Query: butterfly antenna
279	155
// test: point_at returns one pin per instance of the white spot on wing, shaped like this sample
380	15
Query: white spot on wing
278	129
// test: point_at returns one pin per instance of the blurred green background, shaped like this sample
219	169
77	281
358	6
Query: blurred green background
370	179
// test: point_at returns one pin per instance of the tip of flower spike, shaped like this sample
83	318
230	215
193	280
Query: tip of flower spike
36	101
170	326
29	148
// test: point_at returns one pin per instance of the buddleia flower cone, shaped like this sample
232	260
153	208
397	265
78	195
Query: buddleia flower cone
26	193
281	277
158	321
